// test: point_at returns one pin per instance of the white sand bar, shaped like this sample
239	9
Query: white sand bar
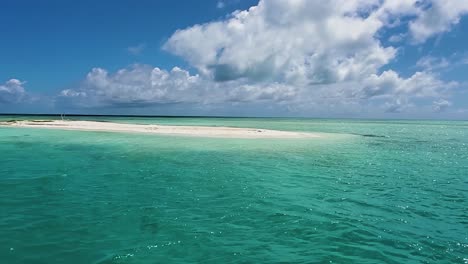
201	131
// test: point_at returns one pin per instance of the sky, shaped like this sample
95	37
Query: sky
297	58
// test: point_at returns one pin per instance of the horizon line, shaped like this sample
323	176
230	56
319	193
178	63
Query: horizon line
220	116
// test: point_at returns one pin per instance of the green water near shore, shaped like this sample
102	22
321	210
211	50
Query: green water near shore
367	192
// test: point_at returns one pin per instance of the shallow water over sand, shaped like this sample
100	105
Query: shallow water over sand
371	192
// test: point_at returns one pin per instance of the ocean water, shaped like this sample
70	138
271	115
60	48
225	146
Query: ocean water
366	192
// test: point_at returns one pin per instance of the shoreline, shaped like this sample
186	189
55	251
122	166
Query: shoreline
197	131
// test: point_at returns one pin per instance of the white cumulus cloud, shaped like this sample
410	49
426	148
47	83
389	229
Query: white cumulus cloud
141	85
12	91
440	105
298	42
136	85
437	16
297	53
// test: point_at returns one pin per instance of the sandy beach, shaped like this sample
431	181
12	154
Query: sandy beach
200	131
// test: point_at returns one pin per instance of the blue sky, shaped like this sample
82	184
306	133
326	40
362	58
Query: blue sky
377	59
53	44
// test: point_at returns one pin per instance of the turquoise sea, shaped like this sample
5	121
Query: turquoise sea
366	192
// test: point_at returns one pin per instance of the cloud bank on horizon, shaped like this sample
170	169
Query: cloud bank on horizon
296	55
